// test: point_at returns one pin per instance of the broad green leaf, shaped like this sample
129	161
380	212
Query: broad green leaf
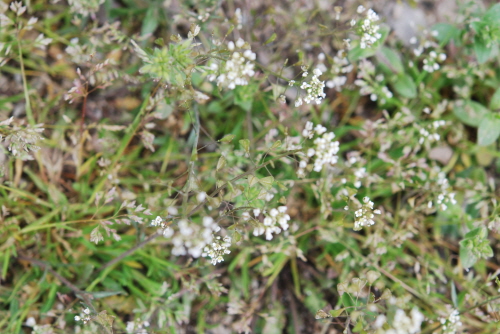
482	51
391	59
252	180
446	32
405	86
470	112
489	130
493	14
467	257
495	100
357	53
267	182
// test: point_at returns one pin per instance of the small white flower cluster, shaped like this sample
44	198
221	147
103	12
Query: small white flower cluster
431	62
84	316
325	149
85	7
368	27
192	238
217	249
237	69
314	89
444	197
402	323
365	215
451	325
370	84
238	17
137	327
429	133
340	68
274	221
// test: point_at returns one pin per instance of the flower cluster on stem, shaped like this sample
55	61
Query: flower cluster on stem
324	151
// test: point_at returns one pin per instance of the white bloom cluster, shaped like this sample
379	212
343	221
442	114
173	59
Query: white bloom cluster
370	84
444	197
274	221
84	316
431	62
340	68
137	327
365	215
237	69
217	249
368	27
325	149
191	238
451	325
429	133
314	89
402	323
85	7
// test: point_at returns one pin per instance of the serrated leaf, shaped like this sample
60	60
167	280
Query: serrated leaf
245	144
252	180
221	163
227	138
271	39
405	86
267	182
493	14
489	130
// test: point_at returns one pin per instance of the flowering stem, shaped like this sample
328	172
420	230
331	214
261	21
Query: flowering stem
29	111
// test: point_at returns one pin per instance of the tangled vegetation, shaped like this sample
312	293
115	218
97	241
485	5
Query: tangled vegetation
228	166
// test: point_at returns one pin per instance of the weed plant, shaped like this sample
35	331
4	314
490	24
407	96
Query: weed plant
230	166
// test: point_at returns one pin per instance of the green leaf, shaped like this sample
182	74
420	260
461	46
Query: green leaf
267	182
336	313
150	22
475	232
227	138
347	300
105	294
357	53
495	100
454	294
391	59
221	163
467	257
493	14
446	32
405	86
252	180
483	53
245	144
489	130
270	39
470	112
